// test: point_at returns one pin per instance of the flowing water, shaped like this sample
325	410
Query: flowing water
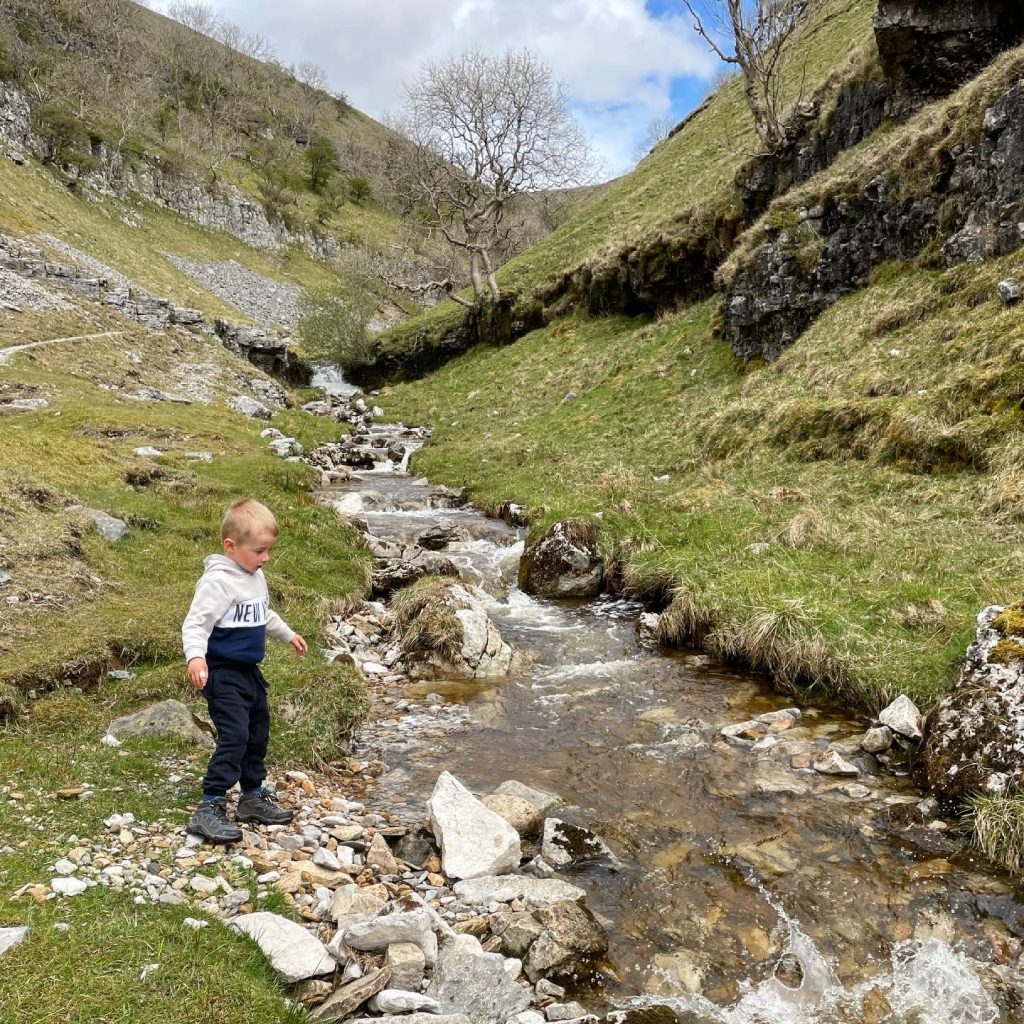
743	891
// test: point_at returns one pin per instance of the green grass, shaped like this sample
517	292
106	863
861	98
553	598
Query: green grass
878	459
686	181
98	605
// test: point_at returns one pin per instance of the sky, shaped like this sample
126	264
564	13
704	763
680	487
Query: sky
624	62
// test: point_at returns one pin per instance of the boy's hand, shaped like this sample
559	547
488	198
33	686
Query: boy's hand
300	645
198	673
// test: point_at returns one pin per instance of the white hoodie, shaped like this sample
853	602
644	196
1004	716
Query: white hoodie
230	615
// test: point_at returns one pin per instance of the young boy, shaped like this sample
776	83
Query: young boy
224	636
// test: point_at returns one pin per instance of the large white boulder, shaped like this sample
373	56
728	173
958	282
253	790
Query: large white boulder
474	840
291	950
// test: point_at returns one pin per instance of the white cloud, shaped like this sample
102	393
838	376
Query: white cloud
617	60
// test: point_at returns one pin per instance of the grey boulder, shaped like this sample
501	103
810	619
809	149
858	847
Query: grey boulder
168	718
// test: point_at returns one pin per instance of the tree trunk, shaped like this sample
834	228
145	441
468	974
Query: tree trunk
475	273
762	123
492	281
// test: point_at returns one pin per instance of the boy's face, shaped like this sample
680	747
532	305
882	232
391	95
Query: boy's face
250	554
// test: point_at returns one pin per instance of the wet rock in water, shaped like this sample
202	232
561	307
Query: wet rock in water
474	841
293	953
407	965
414	926
441	535
391	574
744	734
563	844
534	892
789	971
110	528
903	717
168	718
469	981
541	799
521	815
975	737
249	407
565	562
877	740
874	1007
648	1015
647	629
11	937
833	763
572	940
517	930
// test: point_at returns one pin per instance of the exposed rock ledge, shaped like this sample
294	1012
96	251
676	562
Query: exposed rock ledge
975	738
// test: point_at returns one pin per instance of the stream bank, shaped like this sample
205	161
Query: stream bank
741	884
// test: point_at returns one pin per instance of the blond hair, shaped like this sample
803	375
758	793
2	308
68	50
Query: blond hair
246	519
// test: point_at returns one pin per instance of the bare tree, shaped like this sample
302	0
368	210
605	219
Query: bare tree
753	36
196	15
485	130
658	130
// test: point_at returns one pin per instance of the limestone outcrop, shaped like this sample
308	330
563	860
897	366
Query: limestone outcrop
974	739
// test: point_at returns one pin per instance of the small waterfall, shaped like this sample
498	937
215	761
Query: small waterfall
330	378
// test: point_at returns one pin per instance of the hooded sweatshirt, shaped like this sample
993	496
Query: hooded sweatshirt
230	616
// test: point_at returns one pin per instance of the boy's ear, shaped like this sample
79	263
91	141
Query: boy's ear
229	545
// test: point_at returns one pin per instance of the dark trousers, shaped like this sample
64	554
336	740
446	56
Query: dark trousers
237	699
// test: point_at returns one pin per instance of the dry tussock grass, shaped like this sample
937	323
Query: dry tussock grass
687	620
426	619
782	643
809	528
999	829
924	615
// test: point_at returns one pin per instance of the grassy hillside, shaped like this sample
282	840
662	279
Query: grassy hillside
672	193
76	606
836	518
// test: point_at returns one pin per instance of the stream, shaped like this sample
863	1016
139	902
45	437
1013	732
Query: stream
742	890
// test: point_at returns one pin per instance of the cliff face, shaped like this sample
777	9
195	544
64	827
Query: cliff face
928	47
961	200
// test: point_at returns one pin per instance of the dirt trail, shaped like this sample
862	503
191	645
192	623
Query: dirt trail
7	353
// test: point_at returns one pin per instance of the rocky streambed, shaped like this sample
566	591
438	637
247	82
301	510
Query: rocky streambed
748	861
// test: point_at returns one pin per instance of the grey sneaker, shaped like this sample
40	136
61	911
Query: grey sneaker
260	807
210	821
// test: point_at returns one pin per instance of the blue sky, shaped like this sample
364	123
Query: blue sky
625	62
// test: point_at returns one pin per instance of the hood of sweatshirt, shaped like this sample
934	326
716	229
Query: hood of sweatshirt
223	564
